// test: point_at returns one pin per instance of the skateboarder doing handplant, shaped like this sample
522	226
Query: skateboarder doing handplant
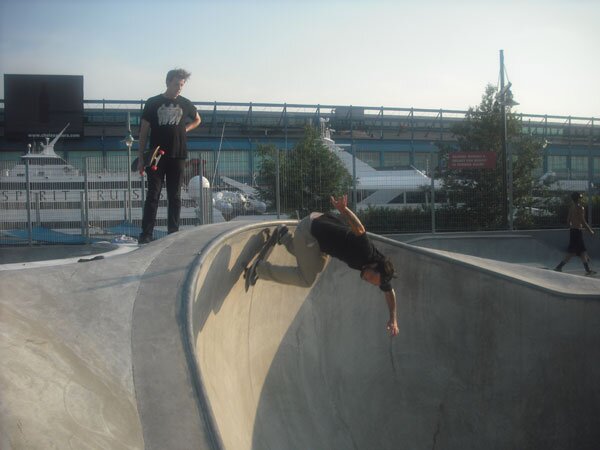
318	236
577	223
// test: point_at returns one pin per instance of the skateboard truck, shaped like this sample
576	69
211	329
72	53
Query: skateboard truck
271	239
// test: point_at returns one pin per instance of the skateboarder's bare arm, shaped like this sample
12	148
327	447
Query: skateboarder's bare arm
581	212
341	205
190	126
392	325
144	129
577	218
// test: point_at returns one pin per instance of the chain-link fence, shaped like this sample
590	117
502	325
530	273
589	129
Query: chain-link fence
50	200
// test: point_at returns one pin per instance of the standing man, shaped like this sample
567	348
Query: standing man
577	224
167	117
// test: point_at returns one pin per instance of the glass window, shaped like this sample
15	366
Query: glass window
234	164
395	160
423	161
596	169
579	167
558	165
371	158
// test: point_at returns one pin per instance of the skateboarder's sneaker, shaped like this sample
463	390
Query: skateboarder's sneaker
590	273
144	239
281	231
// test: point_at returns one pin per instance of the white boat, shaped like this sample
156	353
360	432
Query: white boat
388	188
63	197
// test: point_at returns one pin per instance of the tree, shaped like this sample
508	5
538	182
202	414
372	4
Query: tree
479	195
309	174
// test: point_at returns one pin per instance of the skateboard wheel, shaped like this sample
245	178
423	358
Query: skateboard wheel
154	168
161	152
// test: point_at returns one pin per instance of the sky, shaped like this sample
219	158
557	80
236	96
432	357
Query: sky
422	54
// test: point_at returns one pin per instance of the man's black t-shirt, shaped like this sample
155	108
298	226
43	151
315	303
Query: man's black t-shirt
337	239
168	118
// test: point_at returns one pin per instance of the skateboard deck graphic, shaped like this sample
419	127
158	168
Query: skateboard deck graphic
264	252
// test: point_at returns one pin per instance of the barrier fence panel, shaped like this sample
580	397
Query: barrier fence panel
101	198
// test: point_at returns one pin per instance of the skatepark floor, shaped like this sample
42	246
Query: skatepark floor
162	347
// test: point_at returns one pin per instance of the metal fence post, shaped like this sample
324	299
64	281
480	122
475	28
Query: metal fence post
277	181
201	201
432	176
354	199
207	192
87	198
125	205
28	203
82	208
38	207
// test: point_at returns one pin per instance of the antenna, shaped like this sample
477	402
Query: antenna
51	144
212	183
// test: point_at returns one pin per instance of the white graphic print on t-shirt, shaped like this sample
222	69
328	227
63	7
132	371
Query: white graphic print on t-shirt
169	115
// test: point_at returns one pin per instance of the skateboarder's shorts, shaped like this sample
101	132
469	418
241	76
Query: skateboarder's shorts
576	244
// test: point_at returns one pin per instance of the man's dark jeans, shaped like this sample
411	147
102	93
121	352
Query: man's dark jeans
171	170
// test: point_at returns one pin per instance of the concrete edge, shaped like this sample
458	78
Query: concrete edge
435	237
113	251
495	268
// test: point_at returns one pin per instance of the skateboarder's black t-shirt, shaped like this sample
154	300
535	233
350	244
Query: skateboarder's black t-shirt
168	118
337	239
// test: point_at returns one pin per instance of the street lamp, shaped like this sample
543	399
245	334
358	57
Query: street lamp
505	100
129	140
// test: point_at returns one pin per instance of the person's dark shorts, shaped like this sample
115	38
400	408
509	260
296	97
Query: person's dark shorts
576	244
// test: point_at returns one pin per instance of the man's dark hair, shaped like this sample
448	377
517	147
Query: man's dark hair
180	74
576	196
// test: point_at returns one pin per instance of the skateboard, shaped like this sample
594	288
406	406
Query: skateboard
155	158
266	249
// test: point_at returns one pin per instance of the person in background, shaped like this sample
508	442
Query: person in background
577	223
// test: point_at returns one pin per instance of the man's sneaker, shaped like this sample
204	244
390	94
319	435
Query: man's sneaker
282	230
144	239
558	269
590	272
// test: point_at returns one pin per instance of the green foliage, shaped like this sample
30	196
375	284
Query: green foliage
480	193
309	174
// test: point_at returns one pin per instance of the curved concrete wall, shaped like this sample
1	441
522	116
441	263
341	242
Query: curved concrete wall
489	354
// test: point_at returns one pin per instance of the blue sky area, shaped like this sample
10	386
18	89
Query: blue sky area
427	54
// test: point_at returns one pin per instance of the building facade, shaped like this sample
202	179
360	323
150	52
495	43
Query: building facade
384	137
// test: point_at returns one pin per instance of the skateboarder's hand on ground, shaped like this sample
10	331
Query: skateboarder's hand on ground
392	327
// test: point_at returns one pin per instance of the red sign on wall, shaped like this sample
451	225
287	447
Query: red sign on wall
472	160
